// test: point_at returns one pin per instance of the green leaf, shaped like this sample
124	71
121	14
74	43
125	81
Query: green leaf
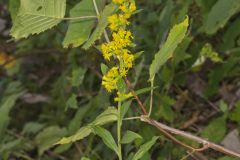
80	134
36	16
72	102
218	127
85	158
78	76
32	127
130	136
175	37
220	13
109	115
6	105
102	24
144	90
165	110
125	107
104	68
77	120
79	30
13	8
49	136
106	138
144	148
235	114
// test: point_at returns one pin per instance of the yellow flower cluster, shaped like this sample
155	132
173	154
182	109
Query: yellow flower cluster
119	46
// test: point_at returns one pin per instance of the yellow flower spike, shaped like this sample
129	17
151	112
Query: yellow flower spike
128	60
122	38
109	81
117	21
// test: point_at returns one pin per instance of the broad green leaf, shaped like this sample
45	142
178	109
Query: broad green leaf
175	37
79	30
109	115
130	136
106	138
102	24
218	127
36	16
145	148
80	134
220	13
49	136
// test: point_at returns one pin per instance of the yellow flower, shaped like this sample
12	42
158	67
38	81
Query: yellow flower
117	21
128	9
118	1
122	96
109	81
128	60
122	38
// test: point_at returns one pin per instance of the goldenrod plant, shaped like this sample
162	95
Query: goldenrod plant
119	79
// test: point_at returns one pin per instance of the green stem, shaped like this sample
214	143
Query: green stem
151	97
119	124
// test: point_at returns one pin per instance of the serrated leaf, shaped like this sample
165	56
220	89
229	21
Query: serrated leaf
79	30
106	138
107	116
145	148
175	37
80	134
102	24
220	13
130	136
36	16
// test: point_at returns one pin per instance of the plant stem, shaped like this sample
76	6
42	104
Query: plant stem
151	98
119	124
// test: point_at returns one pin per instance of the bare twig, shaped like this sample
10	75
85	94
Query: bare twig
207	144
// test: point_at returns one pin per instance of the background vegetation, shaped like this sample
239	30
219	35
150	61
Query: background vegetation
49	92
